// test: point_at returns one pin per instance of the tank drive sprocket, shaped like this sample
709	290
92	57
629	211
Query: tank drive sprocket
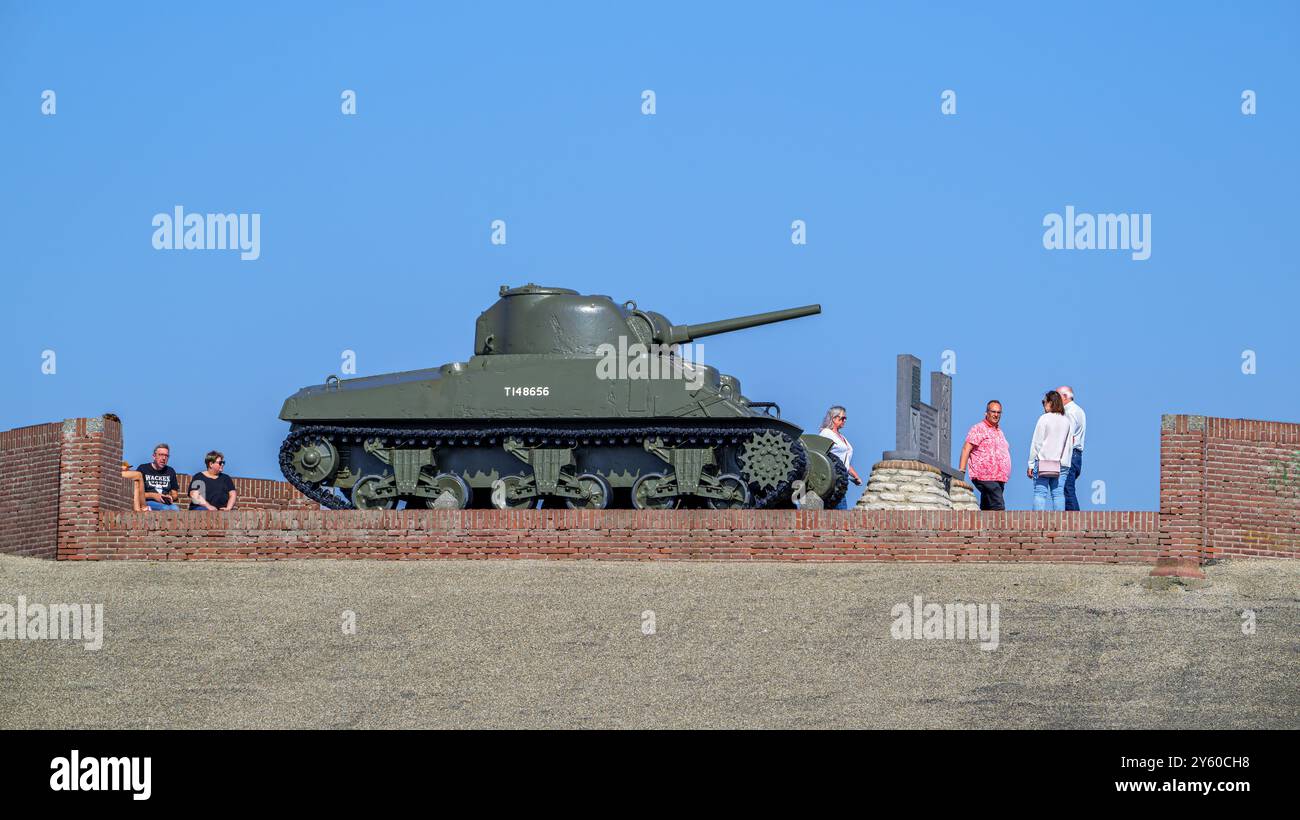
768	459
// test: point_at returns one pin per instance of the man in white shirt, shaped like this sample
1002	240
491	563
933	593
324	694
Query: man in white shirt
1078	424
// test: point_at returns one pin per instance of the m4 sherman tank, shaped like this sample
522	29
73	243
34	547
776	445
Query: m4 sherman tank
568	399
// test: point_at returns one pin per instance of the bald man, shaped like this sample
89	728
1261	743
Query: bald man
1078	422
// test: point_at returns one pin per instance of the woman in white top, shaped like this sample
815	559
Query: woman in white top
1046	454
836	418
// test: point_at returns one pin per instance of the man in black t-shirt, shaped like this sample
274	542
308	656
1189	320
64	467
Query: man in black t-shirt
160	484
212	489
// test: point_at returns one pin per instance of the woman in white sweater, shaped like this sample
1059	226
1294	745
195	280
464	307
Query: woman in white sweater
1049	450
832	426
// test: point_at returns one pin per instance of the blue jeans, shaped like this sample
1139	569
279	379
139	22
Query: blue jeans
1048	487
1071	475
158	505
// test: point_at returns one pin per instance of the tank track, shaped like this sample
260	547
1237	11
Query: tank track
494	436
841	487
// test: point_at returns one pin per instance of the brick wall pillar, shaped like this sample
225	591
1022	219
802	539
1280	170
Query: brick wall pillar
29	486
1182	496
90	479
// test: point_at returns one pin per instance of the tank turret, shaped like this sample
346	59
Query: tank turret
537	319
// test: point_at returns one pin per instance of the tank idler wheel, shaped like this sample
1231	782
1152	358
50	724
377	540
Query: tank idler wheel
596	493
450	492
505	490
735	493
374	492
317	461
643	494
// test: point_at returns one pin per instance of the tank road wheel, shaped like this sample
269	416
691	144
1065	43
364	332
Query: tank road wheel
596	493
736	493
450	492
374	492
643	497
316	461
504	491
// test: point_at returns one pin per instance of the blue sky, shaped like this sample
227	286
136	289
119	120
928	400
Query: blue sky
924	231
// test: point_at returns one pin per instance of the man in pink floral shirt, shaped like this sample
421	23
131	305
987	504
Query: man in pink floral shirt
990	457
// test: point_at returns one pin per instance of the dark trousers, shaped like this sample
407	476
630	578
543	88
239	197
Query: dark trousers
990	494
1071	475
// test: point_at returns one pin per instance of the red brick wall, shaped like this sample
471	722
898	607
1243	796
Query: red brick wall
1237	485
29	490
627	534
1182	486
1228	487
56	479
257	494
90	478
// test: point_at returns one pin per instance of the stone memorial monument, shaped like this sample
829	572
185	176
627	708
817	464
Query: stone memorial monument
918	473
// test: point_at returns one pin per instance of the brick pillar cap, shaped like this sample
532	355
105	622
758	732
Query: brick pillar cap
94	424
1169	421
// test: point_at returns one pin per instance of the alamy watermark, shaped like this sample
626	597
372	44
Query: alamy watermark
53	622
1104	232
1248	365
948	362
922	621
639	361
208	232
102	774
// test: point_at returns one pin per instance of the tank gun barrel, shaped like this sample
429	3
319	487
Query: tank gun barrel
687	333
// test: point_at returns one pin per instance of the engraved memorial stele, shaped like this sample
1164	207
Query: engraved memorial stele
918	473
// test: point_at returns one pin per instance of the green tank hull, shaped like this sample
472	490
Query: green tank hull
568	399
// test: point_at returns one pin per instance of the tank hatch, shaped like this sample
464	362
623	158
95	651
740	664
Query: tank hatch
532	288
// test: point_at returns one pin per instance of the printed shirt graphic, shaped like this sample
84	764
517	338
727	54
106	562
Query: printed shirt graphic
990	458
158	481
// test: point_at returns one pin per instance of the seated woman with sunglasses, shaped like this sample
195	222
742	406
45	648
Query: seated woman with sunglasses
212	489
